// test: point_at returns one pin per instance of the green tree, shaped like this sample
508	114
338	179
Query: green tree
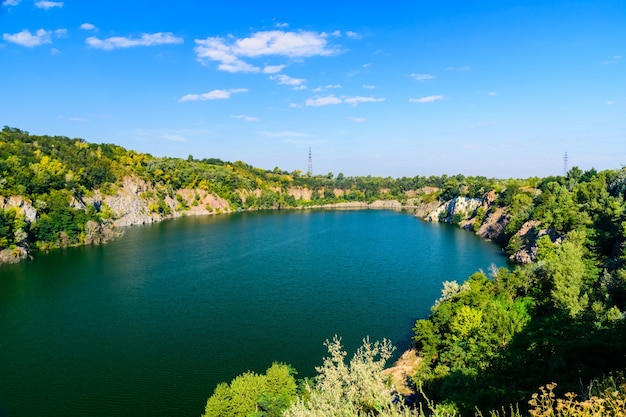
249	394
565	269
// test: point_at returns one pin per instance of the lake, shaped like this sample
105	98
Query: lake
148	324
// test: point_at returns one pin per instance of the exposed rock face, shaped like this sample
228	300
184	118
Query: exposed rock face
300	193
463	206
131	206
378	204
205	203
24	206
386	204
128	206
13	255
528	235
494	225
422	209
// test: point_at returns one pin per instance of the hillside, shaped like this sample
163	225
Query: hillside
57	191
490	342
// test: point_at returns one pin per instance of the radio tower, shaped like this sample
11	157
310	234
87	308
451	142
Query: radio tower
565	165
310	170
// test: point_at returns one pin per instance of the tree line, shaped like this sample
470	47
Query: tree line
55	174
489	342
547	338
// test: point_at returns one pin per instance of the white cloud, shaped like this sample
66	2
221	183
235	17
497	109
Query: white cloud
147	39
88	26
369	64
281	25
353	35
229	52
284	134
422	77
323	101
25	38
326	87
612	60
273	69
360	99
369	87
287	80
609	102
331	99
357	119
48	4
11	2
427	99
493	93
212	95
464	68
245	118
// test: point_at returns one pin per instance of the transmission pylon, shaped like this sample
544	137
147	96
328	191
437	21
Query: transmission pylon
565	165
310	169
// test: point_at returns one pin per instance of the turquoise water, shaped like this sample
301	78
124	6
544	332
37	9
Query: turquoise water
148	324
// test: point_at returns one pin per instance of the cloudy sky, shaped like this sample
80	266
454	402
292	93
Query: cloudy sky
389	88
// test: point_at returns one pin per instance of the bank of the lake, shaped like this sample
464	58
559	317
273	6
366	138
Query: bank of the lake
149	323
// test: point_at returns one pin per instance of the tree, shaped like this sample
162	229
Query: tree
357	388
253	394
566	269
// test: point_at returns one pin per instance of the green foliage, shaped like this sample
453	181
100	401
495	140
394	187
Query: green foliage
248	394
491	343
356	388
565	271
8	227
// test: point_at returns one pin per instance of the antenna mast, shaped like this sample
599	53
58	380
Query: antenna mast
310	169
565	165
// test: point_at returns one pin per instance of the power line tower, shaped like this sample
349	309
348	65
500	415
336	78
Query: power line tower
310	169
565	165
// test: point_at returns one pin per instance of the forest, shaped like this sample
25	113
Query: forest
545	337
61	178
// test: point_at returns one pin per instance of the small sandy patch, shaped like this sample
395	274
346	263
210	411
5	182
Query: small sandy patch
402	370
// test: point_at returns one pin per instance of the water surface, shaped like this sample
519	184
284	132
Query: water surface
148	324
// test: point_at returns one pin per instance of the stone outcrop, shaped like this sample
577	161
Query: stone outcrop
131	204
23	205
494	225
386	204
300	193
422	209
25	208
528	236
462	206
127	204
378	204
14	255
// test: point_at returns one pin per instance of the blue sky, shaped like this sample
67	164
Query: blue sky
405	88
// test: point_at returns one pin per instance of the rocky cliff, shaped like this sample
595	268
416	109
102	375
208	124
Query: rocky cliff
25	208
491	224
460	208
